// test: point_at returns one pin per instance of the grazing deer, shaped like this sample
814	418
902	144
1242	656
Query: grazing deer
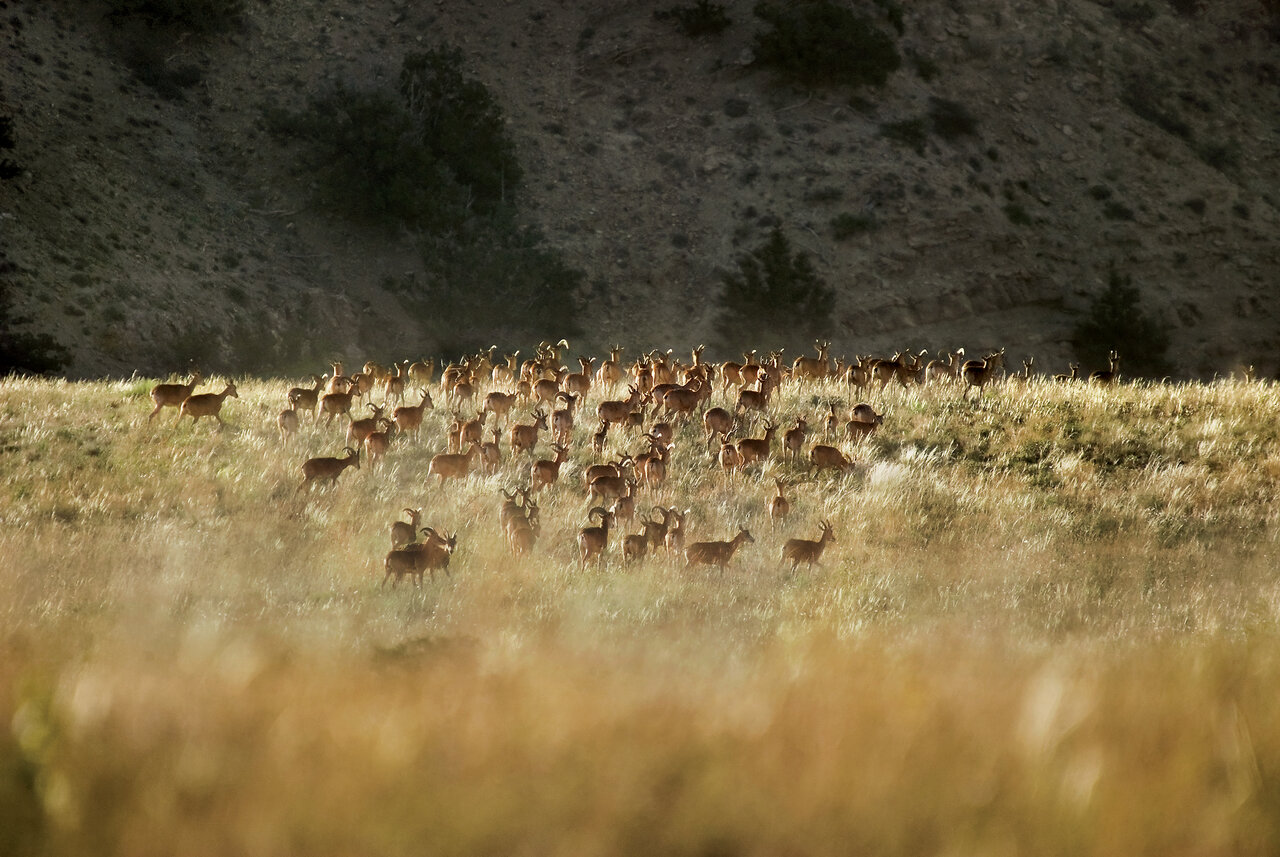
807	550
822	456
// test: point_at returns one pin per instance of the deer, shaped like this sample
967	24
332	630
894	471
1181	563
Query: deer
716	553
822	457
779	505
406	532
173	395
335	404
328	469
453	465
793	439
393	385
755	400
807	550
863	422
307	398
944	371
674	539
977	373
579	383
594	541
421	372
420	557
624	508
729	458
206	405
499	404
546	472
409	417
525	437
491	452
610	372
1106	377
624	466
600	438
813	368
562	418
753	449
288	424
358	430
1073	376
717	421
377	443
523	530
512	507
634	547
609	488
618	410
656	531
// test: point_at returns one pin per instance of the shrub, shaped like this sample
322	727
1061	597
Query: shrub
34	353
704	18
1145	99
1220	156
430	156
950	119
819	42
847	225
1017	215
1115	320
774	295
9	169
913	133
202	16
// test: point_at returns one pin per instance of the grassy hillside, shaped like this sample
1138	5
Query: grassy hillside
981	193
1048	625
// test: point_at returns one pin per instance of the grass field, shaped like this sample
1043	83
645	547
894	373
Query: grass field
1050	624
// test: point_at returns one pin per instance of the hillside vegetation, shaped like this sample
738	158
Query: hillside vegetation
191	179
1047	625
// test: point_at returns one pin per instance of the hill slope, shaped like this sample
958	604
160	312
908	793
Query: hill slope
157	221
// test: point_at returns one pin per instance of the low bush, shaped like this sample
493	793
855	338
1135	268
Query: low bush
822	43
775	298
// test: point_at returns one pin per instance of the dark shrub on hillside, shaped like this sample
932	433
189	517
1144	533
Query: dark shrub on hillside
25	353
704	18
431	155
1115	320
204	16
823	43
775	298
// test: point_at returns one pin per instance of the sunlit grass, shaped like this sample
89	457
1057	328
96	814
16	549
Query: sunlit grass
1048	625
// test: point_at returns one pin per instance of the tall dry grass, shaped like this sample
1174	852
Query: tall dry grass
1048	625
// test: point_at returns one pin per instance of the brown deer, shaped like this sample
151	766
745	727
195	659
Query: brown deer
807	550
173	395
206	405
716	553
328	469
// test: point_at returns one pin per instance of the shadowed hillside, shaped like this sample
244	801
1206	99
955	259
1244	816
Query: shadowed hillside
1018	153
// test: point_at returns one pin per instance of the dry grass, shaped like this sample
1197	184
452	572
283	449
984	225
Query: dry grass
1049	625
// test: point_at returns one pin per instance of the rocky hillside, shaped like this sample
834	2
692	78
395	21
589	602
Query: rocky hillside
1021	151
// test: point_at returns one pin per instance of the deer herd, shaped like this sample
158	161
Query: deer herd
540	399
